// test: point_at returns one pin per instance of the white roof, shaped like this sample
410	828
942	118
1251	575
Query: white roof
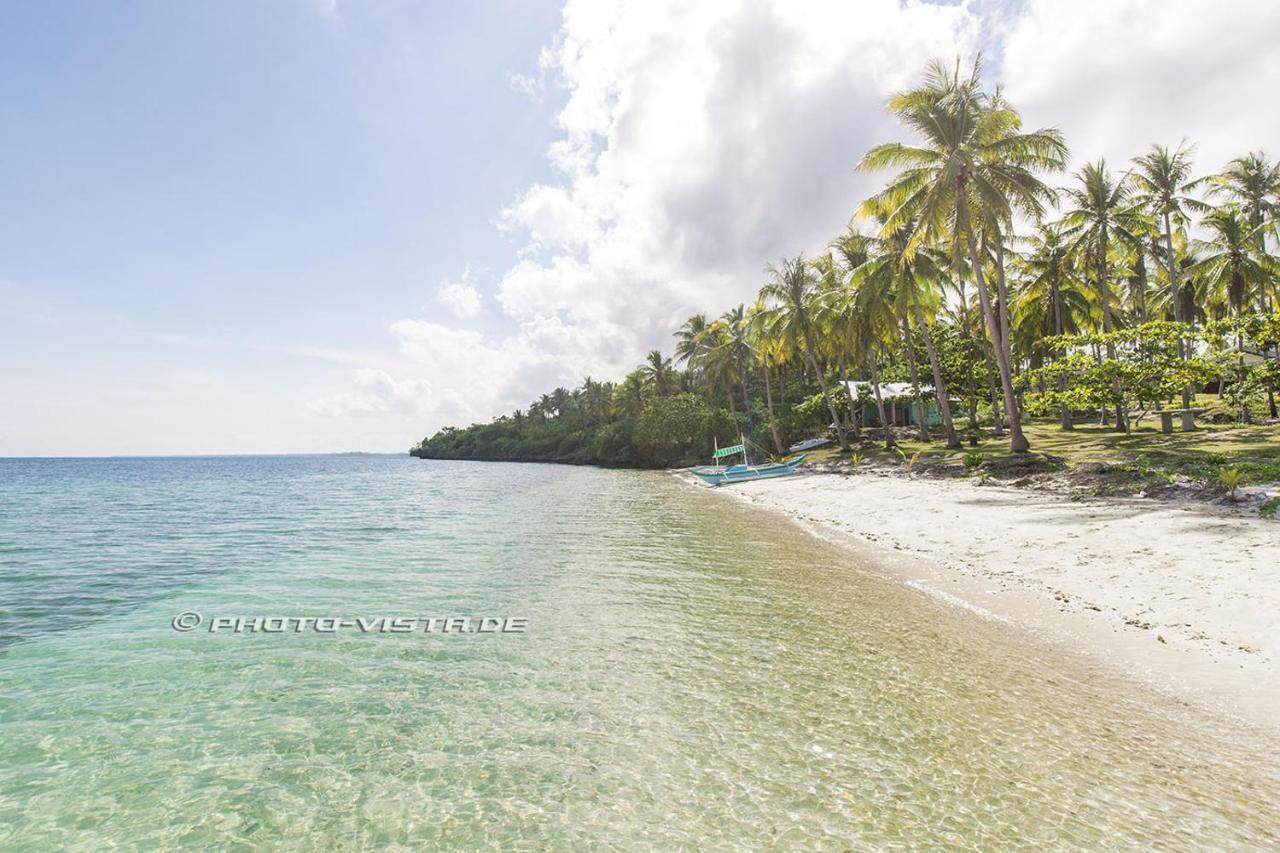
888	390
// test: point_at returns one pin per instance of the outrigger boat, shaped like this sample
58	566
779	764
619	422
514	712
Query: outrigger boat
718	475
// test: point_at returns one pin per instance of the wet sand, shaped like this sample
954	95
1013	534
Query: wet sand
1185	598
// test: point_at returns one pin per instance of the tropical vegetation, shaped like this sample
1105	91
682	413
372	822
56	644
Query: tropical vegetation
983	277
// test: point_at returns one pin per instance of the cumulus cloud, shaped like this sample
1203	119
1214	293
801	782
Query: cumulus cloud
698	141
461	297
1119	75
375	392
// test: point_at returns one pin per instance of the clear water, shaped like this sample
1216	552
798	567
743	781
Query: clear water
694	674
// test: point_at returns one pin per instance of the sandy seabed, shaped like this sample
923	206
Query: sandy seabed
1185	597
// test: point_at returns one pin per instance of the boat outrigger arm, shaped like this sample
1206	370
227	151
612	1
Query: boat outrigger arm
717	474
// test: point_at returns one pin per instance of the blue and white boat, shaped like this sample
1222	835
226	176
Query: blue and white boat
719	475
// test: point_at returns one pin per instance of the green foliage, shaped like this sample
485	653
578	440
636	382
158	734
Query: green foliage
1147	368
1230	478
1269	507
973	459
682	427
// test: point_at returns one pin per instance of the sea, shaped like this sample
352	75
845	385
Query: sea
376	651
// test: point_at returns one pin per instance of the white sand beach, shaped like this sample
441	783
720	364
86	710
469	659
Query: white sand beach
1182	596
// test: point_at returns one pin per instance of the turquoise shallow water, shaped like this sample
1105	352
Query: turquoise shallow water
693	674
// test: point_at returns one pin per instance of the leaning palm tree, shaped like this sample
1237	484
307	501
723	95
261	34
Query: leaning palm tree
974	163
792	289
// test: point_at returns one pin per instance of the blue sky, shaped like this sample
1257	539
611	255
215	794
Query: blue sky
185	182
306	225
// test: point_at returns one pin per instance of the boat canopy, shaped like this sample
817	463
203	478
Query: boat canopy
729	451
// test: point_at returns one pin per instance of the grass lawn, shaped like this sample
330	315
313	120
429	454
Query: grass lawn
1200	455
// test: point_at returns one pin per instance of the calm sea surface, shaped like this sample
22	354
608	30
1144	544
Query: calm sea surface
693	673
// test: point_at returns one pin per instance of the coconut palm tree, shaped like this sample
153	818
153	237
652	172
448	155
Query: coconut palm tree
892	267
769	351
660	372
1232	270
1104	214
1162	180
691	340
633	393
832	323
1254	182
792	288
718	365
974	170
1052	299
734	323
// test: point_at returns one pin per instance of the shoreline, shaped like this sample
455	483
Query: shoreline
1178	597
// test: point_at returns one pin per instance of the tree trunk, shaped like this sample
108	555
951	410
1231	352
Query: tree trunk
1064	411
746	393
1017	441
1104	289
822	383
889	442
768	402
1171	264
939	386
971	387
993	388
915	379
853	417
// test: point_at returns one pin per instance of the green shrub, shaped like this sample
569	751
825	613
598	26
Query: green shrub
973	459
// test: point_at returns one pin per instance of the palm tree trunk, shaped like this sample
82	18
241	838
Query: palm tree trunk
940	387
889	441
768	401
915	379
971	387
1017	441
822	383
1104	288
853	418
1064	411
746	394
1176	291
993	387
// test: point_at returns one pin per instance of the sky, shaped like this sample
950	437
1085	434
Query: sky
328	225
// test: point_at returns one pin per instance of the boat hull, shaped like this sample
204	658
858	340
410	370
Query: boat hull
717	475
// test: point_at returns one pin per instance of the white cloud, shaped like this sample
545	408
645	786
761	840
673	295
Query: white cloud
461	297
375	392
1118	75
